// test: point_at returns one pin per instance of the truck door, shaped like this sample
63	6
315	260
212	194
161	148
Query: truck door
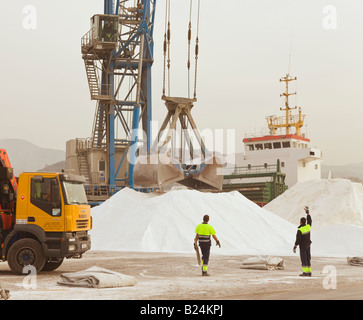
46	205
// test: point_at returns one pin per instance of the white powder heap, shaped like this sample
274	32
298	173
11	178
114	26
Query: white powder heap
336	207
331	202
132	221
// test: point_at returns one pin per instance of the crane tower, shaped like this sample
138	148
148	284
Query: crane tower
118	56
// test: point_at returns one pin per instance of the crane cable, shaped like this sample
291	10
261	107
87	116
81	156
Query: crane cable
196	52
167	36
166	48
196	49
189	39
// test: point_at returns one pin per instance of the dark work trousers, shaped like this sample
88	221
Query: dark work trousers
205	248
305	257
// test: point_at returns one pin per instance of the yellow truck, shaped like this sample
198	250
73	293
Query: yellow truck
44	218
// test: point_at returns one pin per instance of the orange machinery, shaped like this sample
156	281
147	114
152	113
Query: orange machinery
8	191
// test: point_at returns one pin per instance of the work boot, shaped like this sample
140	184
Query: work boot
305	274
205	274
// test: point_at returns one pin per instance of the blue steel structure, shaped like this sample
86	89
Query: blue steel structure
123	71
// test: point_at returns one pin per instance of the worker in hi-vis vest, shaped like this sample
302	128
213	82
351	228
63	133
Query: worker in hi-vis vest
203	233
304	242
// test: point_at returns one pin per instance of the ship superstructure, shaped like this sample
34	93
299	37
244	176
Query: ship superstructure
298	160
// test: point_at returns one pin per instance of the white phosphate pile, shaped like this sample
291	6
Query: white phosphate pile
132	221
331	202
336	206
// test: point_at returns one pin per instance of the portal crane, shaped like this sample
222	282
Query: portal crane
118	53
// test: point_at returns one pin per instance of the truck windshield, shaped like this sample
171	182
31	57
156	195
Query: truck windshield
74	193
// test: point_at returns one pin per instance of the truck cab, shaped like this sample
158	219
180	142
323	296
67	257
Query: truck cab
51	222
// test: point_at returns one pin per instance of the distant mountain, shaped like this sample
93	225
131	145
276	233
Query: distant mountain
55	167
26	156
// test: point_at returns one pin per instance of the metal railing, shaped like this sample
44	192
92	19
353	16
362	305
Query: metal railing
94	36
267	168
105	191
281	120
83	144
88	38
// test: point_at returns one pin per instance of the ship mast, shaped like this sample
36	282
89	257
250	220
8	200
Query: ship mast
286	94
288	121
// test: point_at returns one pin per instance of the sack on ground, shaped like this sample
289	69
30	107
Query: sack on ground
96	277
263	263
355	261
4	294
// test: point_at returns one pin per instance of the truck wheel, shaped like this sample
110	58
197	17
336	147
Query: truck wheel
26	252
51	266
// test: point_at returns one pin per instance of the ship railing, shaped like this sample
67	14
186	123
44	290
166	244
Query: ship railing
265	168
281	120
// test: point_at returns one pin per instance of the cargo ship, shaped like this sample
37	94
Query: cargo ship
280	159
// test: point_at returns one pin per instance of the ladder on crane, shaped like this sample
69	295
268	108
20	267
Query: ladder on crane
98	92
92	78
99	128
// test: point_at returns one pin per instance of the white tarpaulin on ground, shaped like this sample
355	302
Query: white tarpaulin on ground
263	263
96	277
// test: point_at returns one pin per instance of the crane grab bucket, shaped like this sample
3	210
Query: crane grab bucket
162	167
150	175
168	171
210	177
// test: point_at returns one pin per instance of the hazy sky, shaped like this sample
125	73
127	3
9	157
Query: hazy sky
244	50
